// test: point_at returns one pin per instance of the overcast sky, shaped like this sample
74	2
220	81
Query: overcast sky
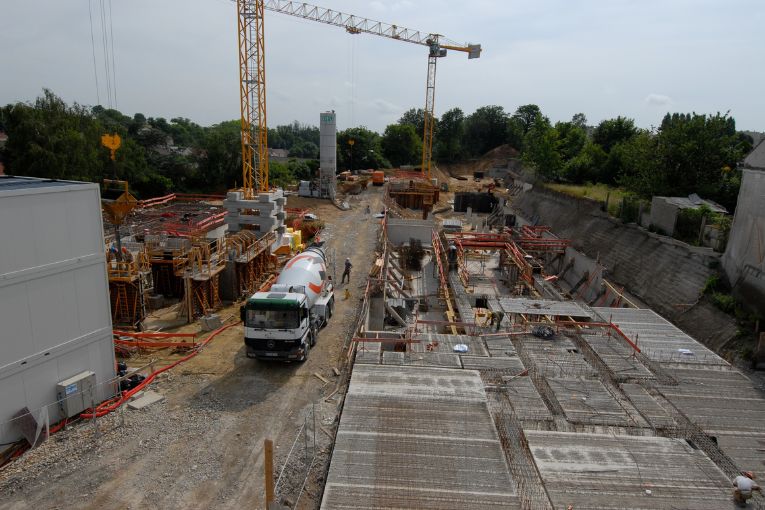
639	58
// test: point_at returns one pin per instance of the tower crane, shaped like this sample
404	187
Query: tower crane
252	74
252	93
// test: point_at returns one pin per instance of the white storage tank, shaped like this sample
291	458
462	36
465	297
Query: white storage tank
55	321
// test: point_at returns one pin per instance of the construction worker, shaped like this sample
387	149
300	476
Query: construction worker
347	271
743	487
498	316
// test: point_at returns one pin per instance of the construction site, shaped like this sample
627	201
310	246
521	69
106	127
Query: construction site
450	337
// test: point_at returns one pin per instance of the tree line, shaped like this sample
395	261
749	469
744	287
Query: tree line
686	153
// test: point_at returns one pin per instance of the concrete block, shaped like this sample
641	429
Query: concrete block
210	322
149	398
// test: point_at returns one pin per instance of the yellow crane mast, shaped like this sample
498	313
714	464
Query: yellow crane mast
252	93
253	75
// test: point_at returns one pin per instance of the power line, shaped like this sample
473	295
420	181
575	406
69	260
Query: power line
93	48
104	47
111	44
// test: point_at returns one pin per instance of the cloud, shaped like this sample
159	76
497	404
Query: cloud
401	5
658	100
385	107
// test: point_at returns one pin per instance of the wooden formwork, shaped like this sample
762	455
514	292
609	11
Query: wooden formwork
252	258
413	194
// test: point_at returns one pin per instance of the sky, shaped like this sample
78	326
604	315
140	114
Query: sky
604	58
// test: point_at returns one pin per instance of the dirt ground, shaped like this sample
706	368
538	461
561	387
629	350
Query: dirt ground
202	447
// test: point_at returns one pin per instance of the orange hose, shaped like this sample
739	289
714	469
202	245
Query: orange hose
110	405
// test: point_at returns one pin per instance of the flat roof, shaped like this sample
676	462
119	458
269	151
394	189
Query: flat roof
13	183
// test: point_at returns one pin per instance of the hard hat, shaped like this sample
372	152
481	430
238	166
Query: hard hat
347	259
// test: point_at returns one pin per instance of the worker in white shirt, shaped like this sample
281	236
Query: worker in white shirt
744	485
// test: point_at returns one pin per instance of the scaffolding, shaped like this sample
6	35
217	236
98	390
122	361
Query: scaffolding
252	259
130	281
201	276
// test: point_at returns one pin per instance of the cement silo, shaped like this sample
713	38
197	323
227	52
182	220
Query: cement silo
327	154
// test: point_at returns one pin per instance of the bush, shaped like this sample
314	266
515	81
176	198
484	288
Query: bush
724	302
711	284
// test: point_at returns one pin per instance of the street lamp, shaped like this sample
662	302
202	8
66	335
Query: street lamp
351	142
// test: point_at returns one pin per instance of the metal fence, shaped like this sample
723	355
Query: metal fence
32	427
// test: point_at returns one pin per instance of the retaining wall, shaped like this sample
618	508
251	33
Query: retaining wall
664	273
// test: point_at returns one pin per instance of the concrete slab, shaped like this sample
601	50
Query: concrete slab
658	338
612	471
539	307
149	397
417	437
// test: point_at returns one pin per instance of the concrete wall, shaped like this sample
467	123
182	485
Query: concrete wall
400	231
744	259
54	297
664	273
663	215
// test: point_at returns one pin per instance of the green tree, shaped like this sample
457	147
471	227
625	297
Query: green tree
50	139
571	139
221	165
401	145
414	117
696	152
526	116
541	149
579	120
365	152
486	129
304	149
612	131
515	133
642	174
586	166
448	141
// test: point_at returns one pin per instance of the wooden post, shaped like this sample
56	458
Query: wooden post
268	467
701	230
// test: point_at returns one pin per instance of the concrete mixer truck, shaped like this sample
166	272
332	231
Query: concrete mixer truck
283	323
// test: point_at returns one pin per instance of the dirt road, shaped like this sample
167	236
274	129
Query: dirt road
202	446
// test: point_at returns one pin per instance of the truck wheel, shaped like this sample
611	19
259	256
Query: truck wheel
306	350
331	308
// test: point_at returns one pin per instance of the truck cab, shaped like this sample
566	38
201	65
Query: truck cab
278	325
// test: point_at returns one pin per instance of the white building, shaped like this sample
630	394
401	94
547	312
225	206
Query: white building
55	321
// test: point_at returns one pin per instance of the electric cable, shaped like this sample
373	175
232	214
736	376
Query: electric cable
93	48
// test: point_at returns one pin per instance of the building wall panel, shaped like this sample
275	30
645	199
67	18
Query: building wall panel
54	301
